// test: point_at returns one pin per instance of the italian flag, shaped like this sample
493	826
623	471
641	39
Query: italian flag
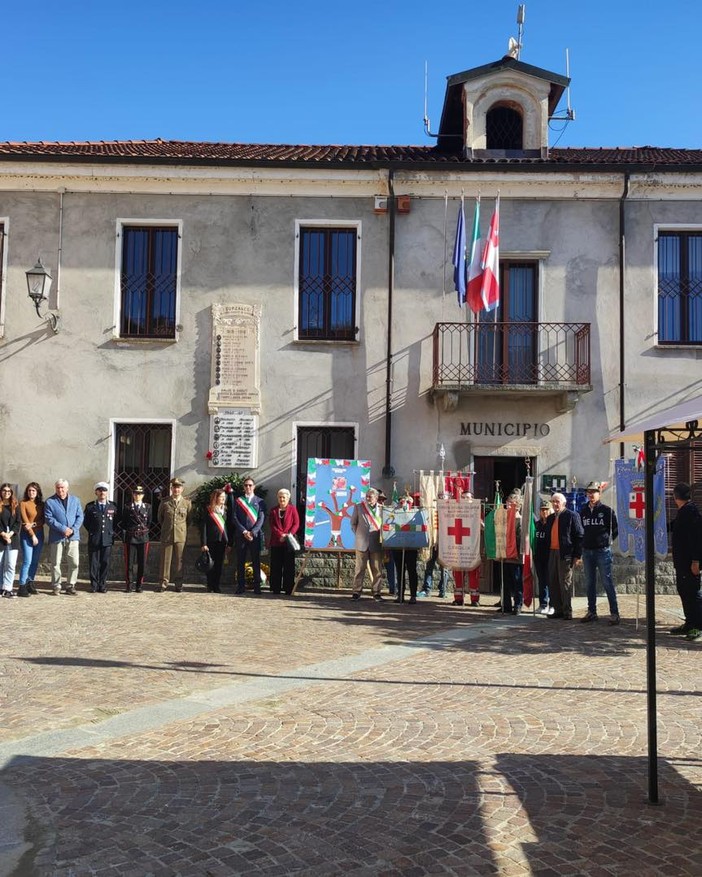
475	269
490	286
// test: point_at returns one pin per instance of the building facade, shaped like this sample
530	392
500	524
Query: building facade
300	300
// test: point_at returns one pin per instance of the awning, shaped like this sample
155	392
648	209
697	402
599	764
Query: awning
675	416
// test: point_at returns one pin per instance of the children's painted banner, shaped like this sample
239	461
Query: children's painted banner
333	489
459	533
630	485
405	529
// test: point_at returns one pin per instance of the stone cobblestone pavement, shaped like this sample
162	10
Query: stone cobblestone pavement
203	734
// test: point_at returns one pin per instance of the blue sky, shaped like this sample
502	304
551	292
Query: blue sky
316	72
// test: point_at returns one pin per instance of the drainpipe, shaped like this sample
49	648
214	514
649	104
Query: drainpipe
388	469
622	262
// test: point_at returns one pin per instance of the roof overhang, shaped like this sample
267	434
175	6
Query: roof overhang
671	421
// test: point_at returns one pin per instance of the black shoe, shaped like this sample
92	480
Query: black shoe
240	591
355	596
178	589
128	589
398	600
378	598
31	588
556	615
412	601
679	631
137	589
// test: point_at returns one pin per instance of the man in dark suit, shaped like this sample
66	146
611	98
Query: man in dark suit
99	520
246	515
136	522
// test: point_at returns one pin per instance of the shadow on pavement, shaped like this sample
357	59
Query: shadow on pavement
543	814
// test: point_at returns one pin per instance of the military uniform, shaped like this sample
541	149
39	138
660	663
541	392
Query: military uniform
174	518
136	523
99	520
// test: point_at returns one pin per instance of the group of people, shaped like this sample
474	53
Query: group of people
228	522
564	540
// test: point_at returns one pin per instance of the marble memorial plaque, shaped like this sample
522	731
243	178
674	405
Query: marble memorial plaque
234	439
236	348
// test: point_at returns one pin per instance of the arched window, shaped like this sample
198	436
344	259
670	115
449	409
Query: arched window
504	128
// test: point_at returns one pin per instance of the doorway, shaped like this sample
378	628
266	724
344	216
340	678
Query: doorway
511	472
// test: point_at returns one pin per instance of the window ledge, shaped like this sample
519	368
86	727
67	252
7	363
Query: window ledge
680	345
161	342
326	342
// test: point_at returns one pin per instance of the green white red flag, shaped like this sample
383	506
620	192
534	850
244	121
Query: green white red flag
475	268
490	285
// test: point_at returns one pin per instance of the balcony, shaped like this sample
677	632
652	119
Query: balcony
512	360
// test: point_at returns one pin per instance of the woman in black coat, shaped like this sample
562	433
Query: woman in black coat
10	523
214	537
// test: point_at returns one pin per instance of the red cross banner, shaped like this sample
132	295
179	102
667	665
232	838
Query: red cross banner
459	533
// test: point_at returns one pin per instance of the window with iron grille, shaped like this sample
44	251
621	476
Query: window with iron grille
680	287
504	128
327	284
148	281
143	456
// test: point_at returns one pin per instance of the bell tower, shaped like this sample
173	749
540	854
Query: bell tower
500	110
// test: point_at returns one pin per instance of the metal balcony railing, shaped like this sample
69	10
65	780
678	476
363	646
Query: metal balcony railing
545	355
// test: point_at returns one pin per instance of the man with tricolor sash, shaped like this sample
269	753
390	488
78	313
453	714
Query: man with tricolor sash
246	515
366	523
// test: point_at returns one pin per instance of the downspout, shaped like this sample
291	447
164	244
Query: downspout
622	267
388	469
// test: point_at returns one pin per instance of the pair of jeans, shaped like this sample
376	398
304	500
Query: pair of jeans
390	573
30	555
595	559
8	562
431	564
513	587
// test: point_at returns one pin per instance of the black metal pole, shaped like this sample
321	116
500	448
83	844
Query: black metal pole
650	468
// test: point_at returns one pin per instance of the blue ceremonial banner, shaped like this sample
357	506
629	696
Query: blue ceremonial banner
459	257
405	529
630	485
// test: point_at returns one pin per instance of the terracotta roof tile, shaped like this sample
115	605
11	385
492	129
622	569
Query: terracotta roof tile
179	151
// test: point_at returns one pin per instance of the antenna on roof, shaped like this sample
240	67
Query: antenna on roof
570	112
427	123
514	47
569	115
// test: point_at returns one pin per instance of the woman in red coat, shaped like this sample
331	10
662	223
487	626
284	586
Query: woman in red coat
284	521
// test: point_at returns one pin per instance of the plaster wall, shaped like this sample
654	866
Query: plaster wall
59	393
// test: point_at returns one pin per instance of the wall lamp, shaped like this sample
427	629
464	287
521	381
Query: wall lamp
39	284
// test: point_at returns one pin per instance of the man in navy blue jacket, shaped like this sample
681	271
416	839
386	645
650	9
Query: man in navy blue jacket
99	520
246	516
600	530
565	540
64	515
